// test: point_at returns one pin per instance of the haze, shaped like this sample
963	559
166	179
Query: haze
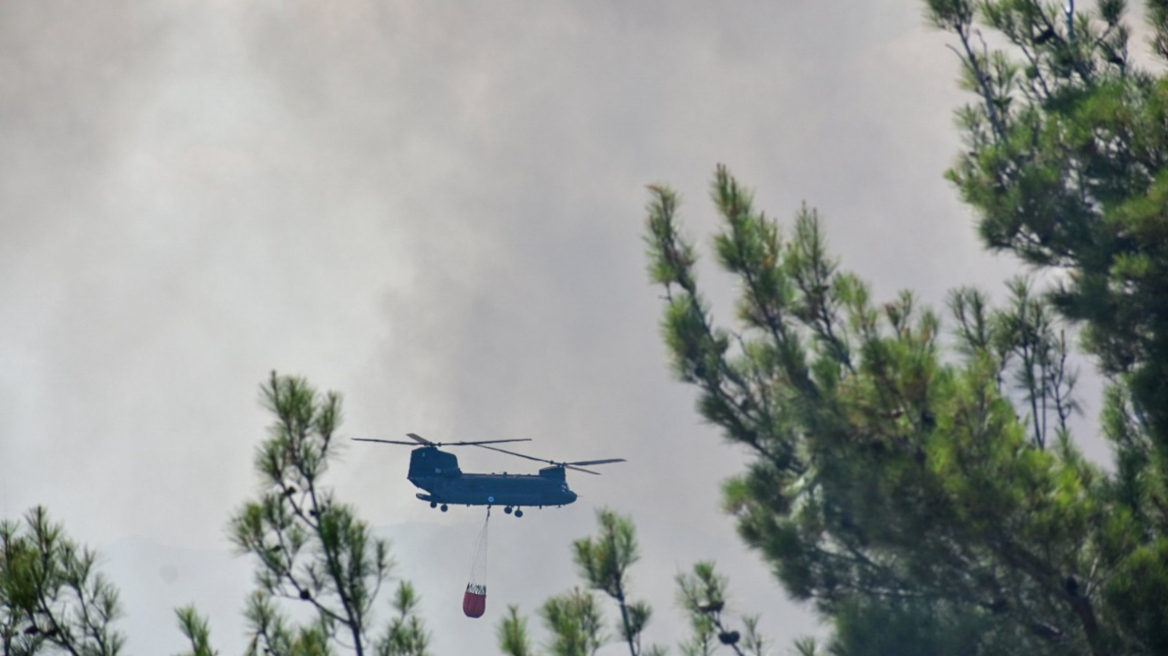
434	208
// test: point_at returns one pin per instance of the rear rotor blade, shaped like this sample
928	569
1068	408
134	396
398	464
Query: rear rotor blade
568	465
480	442
493	448
421	441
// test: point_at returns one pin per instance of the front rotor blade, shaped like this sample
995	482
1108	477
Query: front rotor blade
494	448
421	440
482	442
366	439
596	462
575	468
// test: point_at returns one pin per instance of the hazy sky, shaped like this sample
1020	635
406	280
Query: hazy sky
434	208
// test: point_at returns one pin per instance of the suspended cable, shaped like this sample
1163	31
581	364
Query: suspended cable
474	601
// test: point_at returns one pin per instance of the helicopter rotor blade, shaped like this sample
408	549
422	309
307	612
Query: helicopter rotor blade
596	462
567	465
421	441
494	448
481	442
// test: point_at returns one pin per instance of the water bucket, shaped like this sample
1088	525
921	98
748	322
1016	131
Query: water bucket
474	602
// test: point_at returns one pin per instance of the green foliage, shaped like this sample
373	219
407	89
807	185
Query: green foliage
702	594
310	548
406	635
1067	167
512	634
1065	164
273	634
196	629
604	562
806	646
916	628
52	599
575	620
1139	594
887	467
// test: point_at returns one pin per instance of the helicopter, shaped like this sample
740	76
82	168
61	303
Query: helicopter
437	472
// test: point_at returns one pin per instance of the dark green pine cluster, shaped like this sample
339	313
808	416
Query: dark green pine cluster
575	621
894	481
1067	146
915	476
1067	167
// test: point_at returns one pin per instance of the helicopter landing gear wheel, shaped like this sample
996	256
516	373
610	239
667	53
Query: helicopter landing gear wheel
507	510
445	507
518	512
433	504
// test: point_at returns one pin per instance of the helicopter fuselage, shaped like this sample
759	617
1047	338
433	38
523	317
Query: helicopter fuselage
437	472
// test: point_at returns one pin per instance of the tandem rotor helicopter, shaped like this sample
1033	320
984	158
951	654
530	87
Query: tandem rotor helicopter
437	472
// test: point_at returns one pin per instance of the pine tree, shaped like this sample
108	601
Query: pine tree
890	474
702	594
310	548
575	621
1066	166
52	598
